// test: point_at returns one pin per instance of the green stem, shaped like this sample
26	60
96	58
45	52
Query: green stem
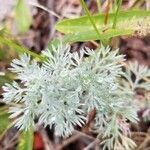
91	19
116	14
19	48
115	5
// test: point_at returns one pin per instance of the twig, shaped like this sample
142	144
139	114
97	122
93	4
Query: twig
95	43
68	141
147	5
11	142
47	143
98	5
44	8
5	131
137	3
97	147
52	20
85	135
93	144
144	143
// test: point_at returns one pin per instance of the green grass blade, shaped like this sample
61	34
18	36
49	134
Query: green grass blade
26	140
23	16
91	35
88	36
91	19
19	48
116	14
4	119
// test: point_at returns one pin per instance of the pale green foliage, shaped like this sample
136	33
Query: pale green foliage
66	86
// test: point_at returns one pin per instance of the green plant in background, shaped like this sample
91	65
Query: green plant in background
81	29
6	39
23	16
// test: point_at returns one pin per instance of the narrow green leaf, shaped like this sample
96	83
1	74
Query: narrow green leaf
19	48
116	13
23	16
55	43
26	140
82	24
91	19
89	35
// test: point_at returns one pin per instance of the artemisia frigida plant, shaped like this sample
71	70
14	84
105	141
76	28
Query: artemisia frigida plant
66	86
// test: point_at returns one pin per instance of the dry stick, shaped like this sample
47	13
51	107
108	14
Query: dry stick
52	20
139	133
95	43
73	138
83	134
97	147
98	5
131	3
44	8
147	5
5	131
47	143
68	141
93	144
11	142
137	3
144	143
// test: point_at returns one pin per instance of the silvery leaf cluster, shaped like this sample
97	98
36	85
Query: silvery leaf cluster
65	87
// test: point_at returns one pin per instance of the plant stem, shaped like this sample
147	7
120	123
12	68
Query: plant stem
116	14
19	48
98	5
115	5
107	12
91	19
137	3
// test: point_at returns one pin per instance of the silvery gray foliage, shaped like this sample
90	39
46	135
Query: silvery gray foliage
61	91
141	74
140	80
